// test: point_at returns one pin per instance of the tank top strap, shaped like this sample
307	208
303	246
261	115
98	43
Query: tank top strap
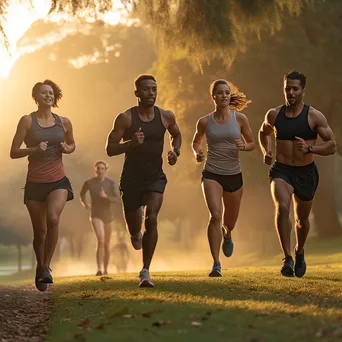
34	122
233	116
306	110
134	115
157	115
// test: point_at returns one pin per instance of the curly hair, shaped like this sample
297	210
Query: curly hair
57	91
238	100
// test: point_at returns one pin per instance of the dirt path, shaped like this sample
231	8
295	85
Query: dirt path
24	314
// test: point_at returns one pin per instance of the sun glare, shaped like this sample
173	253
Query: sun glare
20	16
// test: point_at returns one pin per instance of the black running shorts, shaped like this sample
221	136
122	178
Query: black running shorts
40	191
304	179
229	183
132	194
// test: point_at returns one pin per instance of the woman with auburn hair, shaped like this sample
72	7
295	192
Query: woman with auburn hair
227	133
46	136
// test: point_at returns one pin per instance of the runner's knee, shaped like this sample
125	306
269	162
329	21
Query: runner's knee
216	216
283	208
39	235
151	220
52	220
229	223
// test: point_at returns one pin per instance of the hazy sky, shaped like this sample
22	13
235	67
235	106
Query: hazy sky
21	16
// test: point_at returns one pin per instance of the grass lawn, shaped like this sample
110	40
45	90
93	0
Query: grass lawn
253	304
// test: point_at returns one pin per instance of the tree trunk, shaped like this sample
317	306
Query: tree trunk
324	205
19	258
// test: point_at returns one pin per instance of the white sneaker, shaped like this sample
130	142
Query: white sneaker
145	280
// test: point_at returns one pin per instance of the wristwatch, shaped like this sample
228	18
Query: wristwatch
310	150
177	151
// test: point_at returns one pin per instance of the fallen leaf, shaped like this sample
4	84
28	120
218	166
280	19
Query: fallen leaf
321	332
160	323
87	295
85	323
150	313
196	324
65	320
79	337
120	313
338	332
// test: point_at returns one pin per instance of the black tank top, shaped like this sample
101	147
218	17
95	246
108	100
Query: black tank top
144	163
288	128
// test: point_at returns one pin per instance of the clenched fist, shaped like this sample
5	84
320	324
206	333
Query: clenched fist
64	148
138	138
301	145
172	158
268	158
240	144
42	146
200	156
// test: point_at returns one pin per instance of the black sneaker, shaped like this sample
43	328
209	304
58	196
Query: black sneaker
300	266
287	269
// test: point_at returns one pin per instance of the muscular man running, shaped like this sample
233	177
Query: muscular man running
294	173
143	181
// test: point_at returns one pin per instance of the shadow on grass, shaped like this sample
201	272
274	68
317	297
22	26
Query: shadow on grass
222	309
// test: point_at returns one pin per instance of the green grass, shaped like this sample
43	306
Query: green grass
253	304
245	305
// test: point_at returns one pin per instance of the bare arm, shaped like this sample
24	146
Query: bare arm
113	146
69	145
20	134
116	194
173	129
328	146
246	133
198	138
266	131
83	192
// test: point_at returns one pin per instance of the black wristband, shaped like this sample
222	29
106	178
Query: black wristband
177	151
310	150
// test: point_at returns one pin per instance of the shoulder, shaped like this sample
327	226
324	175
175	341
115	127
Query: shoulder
203	121
111	181
316	115
315	112
272	114
124	119
167	114
65	121
25	120
241	118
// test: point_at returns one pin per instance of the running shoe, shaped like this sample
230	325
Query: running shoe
145	279
287	269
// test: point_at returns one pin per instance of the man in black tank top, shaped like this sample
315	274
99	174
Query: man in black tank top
143	181
294	173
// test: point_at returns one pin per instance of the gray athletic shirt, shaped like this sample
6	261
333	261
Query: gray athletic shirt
223	155
100	206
